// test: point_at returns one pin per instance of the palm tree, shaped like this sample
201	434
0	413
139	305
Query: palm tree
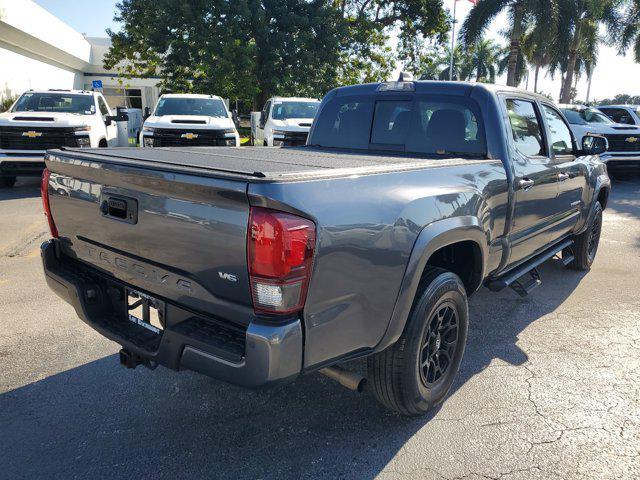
520	65
580	20
522	14
537	51
630	33
484	60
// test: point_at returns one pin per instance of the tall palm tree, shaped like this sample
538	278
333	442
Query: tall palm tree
630	33
484	60
522	14
580	20
537	50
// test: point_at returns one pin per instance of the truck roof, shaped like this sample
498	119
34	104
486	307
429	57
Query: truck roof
438	87
295	99
189	95
260	164
55	90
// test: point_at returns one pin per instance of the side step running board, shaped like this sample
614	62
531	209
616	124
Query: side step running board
512	277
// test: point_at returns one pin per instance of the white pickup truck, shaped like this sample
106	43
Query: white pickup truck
283	122
623	153
42	120
185	119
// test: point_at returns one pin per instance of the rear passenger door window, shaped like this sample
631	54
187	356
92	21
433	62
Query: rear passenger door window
525	128
559	134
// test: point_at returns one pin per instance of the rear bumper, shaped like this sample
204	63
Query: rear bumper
261	355
23	164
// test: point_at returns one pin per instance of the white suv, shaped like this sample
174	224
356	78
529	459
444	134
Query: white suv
42	120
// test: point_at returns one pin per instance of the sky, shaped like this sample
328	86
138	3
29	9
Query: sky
613	74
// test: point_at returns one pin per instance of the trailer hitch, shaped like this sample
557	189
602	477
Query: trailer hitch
132	360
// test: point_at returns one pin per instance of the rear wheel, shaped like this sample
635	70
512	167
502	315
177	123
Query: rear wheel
7	182
585	245
102	143
416	373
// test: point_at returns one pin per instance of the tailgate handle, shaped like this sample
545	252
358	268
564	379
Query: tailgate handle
119	208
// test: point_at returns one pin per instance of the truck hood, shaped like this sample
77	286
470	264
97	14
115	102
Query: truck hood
42	119
189	121
293	124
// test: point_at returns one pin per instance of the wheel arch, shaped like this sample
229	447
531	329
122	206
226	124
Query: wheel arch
455	233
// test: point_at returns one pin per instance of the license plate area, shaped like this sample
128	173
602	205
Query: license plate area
145	311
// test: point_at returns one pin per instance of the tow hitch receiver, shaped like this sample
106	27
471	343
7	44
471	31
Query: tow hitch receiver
132	360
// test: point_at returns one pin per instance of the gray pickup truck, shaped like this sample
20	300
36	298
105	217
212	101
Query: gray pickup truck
255	266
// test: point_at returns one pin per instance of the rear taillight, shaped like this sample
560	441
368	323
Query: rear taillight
44	191
280	253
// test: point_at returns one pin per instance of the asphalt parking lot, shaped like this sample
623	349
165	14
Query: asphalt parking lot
549	387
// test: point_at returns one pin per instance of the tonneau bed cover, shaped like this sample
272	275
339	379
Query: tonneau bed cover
258	164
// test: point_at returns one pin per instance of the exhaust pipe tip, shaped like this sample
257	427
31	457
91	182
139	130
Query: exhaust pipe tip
352	381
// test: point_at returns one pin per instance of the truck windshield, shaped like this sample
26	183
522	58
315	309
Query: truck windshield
285	110
55	102
208	107
424	124
587	115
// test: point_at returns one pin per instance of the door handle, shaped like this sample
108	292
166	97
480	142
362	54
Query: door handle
563	176
525	183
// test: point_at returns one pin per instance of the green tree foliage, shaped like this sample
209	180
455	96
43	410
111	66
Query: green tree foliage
523	15
576	45
250	49
630	31
479	63
620	99
5	103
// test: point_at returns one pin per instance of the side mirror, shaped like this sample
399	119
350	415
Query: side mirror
594	144
108	119
263	119
147	113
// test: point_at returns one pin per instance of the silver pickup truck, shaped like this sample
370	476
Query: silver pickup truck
255	266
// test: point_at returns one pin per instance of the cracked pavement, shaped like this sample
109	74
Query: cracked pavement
549	387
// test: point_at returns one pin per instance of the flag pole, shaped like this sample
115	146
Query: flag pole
453	39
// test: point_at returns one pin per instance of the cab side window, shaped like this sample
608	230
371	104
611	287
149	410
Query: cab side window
104	110
525	127
559	132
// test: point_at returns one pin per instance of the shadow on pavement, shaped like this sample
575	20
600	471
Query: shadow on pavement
25	187
627	198
103	421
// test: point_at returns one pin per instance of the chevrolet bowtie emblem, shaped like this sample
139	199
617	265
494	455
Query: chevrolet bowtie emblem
31	134
189	136
631	139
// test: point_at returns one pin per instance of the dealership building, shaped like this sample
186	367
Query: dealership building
39	51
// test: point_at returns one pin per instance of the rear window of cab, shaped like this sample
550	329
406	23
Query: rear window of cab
433	125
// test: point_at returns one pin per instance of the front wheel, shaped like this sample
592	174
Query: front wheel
585	245
7	182
416	373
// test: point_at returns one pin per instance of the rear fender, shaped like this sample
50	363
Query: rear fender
432	237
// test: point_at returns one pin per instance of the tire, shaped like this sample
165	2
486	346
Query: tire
397	378
585	245
7	182
103	144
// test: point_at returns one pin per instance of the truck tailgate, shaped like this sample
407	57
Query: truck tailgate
177	236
